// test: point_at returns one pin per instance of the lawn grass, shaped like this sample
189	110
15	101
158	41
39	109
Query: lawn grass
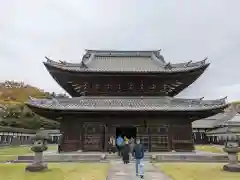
11	153
209	148
19	150
63	171
197	171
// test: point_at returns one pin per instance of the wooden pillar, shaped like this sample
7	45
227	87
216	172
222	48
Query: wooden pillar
170	137
106	137
82	136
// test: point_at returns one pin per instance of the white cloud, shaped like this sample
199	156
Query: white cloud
185	30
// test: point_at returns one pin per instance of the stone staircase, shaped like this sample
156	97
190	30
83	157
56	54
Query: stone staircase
115	157
149	157
66	157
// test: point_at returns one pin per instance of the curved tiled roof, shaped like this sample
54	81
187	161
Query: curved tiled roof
125	61
217	120
128	103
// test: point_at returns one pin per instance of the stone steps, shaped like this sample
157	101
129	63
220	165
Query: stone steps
190	158
100	157
115	156
65	158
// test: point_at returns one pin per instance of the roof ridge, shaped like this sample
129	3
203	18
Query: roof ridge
113	50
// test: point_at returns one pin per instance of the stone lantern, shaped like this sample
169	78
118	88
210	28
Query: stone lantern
232	148
39	146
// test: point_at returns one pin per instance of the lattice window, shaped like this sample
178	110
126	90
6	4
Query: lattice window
159	142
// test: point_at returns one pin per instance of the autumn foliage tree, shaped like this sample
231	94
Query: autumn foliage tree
14	113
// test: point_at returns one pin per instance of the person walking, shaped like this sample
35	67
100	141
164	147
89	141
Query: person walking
120	143
138	154
126	153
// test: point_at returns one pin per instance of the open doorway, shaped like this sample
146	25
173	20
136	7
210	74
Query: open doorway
129	132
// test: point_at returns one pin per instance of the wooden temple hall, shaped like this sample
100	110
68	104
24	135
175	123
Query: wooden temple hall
128	93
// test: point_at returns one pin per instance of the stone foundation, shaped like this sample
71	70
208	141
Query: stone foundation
231	167
36	167
38	164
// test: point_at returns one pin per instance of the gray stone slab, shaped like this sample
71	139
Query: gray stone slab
66	157
51	156
120	171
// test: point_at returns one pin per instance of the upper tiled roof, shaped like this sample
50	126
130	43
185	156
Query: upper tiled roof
125	61
128	103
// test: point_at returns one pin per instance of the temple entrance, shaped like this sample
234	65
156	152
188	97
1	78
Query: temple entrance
129	132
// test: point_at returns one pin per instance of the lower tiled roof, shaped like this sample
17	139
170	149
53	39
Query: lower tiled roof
224	130
218	119
128	103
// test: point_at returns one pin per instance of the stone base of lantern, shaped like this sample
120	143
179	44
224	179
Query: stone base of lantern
36	167
231	167
38	164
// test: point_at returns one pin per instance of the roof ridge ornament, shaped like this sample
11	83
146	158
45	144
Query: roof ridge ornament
83	65
168	66
49	60
157	53
204	60
63	62
188	63
224	99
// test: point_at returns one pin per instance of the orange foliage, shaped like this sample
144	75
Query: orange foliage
19	94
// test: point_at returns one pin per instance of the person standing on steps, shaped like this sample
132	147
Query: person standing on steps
126	153
138	154
120	143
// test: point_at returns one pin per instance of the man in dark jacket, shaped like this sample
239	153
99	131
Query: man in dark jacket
138	154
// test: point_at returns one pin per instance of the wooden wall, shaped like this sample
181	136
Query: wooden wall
155	136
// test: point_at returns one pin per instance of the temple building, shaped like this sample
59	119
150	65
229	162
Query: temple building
203	126
127	93
211	130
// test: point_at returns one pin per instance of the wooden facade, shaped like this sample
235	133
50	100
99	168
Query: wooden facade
154	135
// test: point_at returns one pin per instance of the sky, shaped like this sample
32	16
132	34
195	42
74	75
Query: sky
184	30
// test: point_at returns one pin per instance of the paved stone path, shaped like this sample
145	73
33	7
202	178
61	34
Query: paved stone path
120	171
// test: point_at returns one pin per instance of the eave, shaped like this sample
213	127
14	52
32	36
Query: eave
63	77
57	115
167	109
175	68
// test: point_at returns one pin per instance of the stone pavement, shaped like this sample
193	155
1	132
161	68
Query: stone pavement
120	171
